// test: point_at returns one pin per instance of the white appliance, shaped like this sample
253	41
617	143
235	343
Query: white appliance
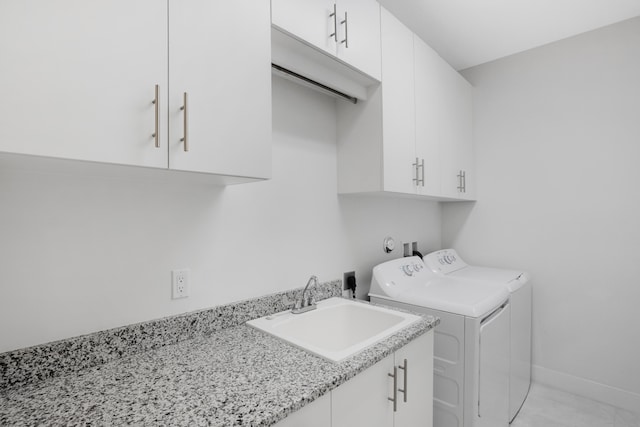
447	263
471	347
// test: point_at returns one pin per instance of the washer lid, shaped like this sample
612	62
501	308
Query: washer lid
407	280
471	299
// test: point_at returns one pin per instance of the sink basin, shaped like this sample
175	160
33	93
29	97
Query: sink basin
337	329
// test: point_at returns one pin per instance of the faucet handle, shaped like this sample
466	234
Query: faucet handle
287	302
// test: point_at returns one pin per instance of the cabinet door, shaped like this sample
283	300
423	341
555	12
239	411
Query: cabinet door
428	101
418	408
363	400
359	35
315	414
77	79
220	55
398	109
457	137
308	20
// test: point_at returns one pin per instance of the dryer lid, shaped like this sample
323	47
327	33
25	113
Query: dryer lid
512	279
447	262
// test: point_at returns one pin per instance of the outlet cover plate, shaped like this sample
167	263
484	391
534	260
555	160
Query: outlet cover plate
180	286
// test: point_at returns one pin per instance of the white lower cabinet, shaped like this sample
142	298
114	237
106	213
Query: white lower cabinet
366	399
415	407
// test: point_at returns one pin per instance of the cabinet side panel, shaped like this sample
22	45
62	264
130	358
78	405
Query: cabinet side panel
360	144
315	414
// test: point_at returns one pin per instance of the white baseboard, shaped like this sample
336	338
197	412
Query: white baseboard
590	389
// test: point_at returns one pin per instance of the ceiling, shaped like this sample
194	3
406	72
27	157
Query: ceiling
471	32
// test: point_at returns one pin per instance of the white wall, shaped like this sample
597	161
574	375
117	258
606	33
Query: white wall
82	251
557	132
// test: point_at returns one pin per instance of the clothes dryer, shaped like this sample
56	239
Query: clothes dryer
471	343
447	263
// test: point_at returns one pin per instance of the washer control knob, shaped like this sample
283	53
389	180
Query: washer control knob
407	270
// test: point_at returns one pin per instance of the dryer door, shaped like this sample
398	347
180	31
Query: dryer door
493	376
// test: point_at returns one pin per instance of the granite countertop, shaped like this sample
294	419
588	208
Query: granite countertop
233	376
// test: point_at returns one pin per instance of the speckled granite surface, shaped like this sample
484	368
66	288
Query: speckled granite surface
233	376
34	364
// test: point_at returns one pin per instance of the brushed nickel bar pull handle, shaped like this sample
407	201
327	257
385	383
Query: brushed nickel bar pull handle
416	165
346	31
156	102
334	15
422	172
464	181
394	399
405	369
185	137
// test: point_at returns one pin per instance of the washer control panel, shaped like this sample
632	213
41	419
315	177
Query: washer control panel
399	275
444	261
412	267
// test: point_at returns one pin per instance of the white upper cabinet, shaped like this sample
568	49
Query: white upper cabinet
359	35
346	29
456	155
398	106
429	96
413	134
308	20
220	56
78	81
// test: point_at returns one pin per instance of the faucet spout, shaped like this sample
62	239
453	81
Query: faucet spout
304	304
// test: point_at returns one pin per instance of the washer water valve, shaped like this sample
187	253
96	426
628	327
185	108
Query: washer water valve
388	245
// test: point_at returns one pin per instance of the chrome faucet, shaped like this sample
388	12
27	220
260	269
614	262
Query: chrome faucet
305	304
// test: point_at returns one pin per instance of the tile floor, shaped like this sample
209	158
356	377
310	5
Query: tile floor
548	407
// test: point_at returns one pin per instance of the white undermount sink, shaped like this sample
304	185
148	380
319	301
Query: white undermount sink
337	329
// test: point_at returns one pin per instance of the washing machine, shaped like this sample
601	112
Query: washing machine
447	263
471	343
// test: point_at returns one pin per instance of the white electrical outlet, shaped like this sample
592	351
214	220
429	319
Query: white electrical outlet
180	283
